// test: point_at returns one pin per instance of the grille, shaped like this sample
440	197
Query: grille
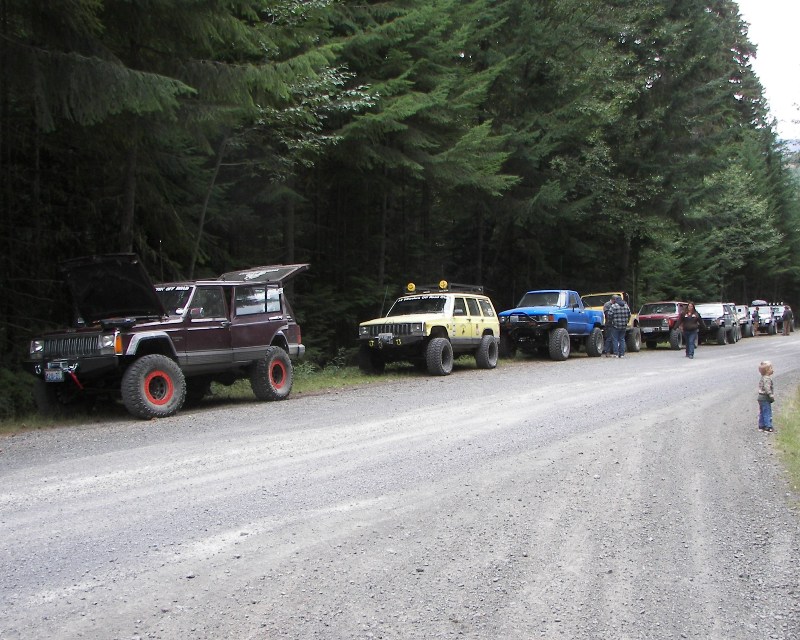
72	346
396	329
650	323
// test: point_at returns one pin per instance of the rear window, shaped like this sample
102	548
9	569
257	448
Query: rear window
257	299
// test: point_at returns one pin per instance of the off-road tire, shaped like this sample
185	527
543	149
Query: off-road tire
559	344
439	357
633	340
153	387
370	361
508	346
722	336
675	339
486	355
594	343
272	376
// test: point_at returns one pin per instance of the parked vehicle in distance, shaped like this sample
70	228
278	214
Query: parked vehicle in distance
551	322
766	317
777	312
735	332
160	346
633	335
657	322
745	320
720	325
429	326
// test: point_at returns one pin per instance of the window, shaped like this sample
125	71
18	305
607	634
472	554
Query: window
488	310
257	299
573	299
459	308
474	310
210	302
417	304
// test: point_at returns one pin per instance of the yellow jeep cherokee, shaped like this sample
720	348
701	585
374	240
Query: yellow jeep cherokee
429	326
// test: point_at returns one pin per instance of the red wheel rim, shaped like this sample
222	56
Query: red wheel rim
277	374
158	388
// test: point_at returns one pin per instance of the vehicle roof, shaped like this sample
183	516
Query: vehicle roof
600	293
429	294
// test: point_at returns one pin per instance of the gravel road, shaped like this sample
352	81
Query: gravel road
590	499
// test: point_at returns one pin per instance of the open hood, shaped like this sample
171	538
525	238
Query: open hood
111	286
276	273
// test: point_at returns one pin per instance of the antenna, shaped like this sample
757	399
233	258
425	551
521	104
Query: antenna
383	304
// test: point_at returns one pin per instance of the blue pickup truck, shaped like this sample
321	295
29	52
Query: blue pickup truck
551	322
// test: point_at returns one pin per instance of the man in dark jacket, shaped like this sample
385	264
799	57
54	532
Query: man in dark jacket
607	352
619	313
788	320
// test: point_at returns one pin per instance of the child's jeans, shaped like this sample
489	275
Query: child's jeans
764	414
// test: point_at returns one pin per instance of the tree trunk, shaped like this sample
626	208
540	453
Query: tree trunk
382	245
289	225
129	201
201	224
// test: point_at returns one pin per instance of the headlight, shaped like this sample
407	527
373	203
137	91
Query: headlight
503	319
363	330
111	343
417	329
36	349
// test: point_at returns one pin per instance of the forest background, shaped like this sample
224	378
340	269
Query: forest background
585	144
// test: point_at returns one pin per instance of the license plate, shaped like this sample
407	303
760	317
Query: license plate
648	329
53	375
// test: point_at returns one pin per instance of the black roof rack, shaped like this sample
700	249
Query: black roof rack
451	287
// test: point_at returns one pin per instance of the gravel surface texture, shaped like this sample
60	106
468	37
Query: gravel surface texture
588	499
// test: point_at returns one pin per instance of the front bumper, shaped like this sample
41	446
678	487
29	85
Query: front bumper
82	369
390	341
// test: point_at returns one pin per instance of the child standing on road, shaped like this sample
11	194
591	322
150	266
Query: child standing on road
766	396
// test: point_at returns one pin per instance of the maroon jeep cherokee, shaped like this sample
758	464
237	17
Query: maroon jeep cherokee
162	345
657	323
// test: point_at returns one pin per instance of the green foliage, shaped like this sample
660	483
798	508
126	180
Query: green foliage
16	394
788	437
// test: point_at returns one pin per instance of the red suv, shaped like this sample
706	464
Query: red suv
657	323
159	346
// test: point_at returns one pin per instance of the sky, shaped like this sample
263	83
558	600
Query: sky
774	29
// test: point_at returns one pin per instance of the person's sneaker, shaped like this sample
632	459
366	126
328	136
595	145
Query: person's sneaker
620	356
